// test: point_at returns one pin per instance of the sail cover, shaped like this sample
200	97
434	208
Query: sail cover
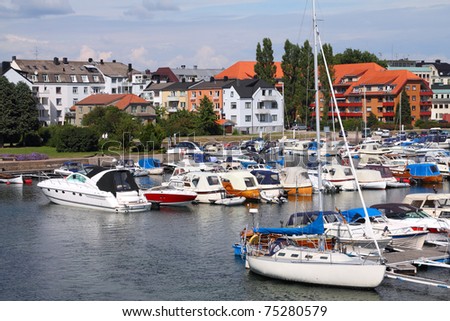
316	227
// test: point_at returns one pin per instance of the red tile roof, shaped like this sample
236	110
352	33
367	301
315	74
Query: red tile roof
121	101
245	70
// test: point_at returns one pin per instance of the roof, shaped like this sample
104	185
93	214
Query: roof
443	68
164	74
65	68
121	101
182	85
245	70
247	87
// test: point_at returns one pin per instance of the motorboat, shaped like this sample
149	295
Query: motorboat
269	184
425	173
295	181
169	195
12	179
388	177
131	166
208	187
438	229
370	179
70	167
241	183
403	235
112	190
349	237
435	204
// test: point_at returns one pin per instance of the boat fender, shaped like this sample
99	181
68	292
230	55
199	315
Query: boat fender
254	239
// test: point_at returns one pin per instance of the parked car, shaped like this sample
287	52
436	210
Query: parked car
299	127
366	133
343	133
385	133
411	135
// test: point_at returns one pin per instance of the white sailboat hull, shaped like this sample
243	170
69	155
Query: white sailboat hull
338	270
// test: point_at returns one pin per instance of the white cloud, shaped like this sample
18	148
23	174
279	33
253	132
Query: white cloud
86	52
34	8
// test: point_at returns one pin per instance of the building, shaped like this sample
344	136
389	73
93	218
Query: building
175	96
365	88
441	102
129	103
254	106
246	70
60	83
153	93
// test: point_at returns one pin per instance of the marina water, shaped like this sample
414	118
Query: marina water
52	252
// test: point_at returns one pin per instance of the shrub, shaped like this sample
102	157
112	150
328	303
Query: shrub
77	139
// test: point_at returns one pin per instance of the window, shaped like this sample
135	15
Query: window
143	109
133	109
80	109
248	105
58	113
233	105
274	105
58	90
75	101
58	101
232	94
413	98
85	90
73	78
85	78
45	76
274	117
248	118
57	78
96	79
75	90
234	118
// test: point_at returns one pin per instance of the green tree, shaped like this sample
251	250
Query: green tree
77	139
26	111
9	115
325	86
372	120
353	56
182	123
152	136
403	111
206	118
265	68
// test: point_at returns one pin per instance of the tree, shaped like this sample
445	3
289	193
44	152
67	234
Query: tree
352	56
181	123
206	118
77	139
324	83
152	136
26	111
8	119
403	110
265	68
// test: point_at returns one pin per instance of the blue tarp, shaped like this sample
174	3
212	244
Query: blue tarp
423	169
149	163
353	214
266	177
316	227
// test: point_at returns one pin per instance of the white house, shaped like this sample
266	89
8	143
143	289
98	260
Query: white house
60	84
255	106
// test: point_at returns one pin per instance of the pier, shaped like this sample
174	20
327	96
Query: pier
403	265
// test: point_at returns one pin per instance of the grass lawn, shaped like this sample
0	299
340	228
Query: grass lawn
49	151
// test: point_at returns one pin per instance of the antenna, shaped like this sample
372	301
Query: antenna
36	52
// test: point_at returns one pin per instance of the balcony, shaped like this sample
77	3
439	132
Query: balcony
426	92
388	104
389	114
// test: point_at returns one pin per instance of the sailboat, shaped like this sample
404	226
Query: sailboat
285	260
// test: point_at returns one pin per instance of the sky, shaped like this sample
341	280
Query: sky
217	33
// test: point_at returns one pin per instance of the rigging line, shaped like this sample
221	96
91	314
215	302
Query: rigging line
368	225
302	21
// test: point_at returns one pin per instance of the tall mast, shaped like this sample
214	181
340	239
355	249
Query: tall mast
316	90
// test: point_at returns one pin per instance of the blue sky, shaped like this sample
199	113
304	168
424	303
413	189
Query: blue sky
216	33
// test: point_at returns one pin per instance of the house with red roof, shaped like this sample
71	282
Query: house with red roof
129	103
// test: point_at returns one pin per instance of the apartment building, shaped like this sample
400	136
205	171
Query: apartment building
60	83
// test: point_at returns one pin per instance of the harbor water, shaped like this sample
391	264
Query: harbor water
52	252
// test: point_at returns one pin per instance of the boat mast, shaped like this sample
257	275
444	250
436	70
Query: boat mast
316	90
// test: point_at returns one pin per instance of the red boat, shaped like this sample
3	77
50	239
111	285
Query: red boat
169	195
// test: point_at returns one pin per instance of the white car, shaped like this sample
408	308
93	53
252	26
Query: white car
385	133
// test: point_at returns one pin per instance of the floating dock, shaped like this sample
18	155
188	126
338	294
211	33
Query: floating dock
403	265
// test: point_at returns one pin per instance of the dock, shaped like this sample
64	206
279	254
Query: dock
403	265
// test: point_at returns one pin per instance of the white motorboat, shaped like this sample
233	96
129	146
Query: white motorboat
11	179
103	189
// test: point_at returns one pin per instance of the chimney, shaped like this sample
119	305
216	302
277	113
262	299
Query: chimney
56	60
438	61
114	61
90	60
130	68
183	66
65	61
101	61
211	79
195	66
13	58
225	78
